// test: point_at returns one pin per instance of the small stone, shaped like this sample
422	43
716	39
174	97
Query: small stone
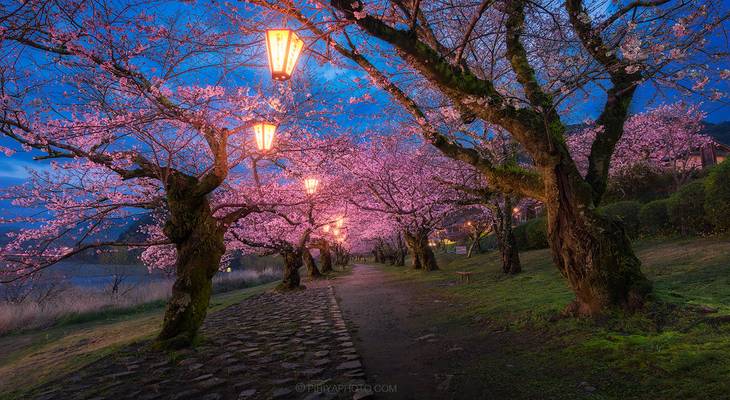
282	381
193	367
361	394
321	353
349	365
321	362
288	365
212	396
424	337
455	348
186	394
202	377
346	344
247	393
312	372
280	392
211	383
350	357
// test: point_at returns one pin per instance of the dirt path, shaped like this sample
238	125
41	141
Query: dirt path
398	341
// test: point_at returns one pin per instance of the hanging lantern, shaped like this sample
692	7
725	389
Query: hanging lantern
264	133
310	184
284	47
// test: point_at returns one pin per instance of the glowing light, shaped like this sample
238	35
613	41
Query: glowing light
283	47
310	185
516	210
264	133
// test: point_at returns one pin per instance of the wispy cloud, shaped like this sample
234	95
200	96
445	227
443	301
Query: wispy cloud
17	169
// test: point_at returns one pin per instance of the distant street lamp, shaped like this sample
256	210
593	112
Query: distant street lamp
310	184
264	133
284	47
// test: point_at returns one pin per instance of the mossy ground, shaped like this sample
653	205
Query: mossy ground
677	348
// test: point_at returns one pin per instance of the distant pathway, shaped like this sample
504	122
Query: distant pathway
287	346
399	342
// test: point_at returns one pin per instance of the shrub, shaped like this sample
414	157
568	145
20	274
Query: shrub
686	208
654	218
520	232
641	182
627	212
717	196
536	233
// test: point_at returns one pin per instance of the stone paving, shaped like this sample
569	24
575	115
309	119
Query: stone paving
283	346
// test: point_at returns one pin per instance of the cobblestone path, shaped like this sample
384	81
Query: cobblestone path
283	346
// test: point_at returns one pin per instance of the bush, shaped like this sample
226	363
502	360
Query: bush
686	208
642	183
520	232
536	233
627	212
654	218
717	196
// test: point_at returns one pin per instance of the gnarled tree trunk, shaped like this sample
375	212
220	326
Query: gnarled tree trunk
308	261
506	241
325	257
590	250
423	257
198	239
292	262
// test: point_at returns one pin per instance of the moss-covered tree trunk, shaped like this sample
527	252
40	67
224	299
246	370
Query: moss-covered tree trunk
292	262
325	257
309	263
423	257
590	250
198	240
506	241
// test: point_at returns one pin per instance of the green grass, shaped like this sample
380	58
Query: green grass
30	359
675	349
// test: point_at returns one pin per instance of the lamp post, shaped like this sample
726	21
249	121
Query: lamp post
264	133
310	185
283	47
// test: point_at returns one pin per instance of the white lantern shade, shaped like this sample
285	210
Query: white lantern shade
264	133
283	47
310	185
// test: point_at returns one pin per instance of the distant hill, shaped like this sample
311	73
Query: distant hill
719	131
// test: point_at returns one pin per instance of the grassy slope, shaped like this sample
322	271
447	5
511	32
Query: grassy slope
671	351
32	358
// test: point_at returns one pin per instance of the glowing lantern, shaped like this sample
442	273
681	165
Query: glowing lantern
326	228
516	210
284	47
310	184
340	221
264	133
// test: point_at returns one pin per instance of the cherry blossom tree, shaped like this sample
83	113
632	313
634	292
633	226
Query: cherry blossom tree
664	139
298	215
399	179
521	65
139	112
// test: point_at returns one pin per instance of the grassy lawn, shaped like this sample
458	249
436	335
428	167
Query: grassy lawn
678	349
31	358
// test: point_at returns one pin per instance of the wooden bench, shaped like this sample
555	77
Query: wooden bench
464	276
